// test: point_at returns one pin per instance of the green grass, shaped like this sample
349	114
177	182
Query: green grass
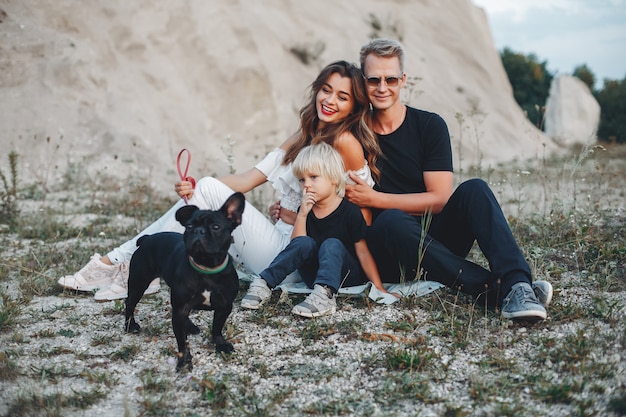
9	310
416	359
37	404
8	368
125	353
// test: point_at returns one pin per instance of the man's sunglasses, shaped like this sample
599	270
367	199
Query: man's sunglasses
389	81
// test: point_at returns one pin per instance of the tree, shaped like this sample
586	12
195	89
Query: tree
612	100
586	75
530	80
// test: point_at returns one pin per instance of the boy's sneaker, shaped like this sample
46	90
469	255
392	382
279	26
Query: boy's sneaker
258	293
543	291
96	274
319	303
521	304
119	289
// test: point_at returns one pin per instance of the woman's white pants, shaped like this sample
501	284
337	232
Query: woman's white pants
256	241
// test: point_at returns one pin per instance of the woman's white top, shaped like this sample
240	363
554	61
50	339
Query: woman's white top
282	179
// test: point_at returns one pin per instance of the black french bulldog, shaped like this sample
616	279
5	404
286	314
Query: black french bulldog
196	266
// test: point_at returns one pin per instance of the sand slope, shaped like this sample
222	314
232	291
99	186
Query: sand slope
120	87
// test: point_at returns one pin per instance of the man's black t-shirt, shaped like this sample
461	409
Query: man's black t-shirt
421	143
346	223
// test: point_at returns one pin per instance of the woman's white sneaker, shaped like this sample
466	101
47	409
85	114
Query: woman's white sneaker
96	274
119	289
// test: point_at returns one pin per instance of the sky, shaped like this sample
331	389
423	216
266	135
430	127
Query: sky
563	33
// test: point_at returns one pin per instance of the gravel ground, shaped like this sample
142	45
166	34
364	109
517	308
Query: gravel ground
283	365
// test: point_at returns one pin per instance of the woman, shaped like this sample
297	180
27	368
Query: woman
337	113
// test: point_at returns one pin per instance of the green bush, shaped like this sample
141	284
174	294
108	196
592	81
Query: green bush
530	80
612	100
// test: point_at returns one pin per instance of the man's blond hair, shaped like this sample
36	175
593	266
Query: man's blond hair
385	48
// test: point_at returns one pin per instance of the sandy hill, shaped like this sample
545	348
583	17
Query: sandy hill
120	87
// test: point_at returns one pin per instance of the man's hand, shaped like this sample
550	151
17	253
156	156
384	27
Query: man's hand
360	193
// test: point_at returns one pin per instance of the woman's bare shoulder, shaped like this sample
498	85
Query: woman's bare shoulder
347	141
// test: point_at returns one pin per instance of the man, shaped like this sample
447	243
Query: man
422	228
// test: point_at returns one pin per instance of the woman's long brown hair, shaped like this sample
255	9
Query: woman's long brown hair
358	122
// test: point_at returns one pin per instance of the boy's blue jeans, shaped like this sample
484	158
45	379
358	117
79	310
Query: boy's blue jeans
329	264
472	214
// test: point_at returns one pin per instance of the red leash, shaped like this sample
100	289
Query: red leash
183	175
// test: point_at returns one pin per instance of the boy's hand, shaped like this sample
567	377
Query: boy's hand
308	201
383	290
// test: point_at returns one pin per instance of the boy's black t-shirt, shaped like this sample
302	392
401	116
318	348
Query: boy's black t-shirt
346	223
421	143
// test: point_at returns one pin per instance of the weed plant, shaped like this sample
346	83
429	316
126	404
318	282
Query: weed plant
9	210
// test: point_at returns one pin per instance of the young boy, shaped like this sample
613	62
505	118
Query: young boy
328	240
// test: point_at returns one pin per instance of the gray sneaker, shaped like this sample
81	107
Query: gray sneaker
521	304
258	293
543	291
318	303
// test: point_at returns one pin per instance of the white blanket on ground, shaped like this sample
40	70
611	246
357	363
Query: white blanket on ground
418	288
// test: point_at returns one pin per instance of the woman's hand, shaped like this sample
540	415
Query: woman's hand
277	212
184	189
274	211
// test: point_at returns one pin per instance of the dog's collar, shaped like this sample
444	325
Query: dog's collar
209	271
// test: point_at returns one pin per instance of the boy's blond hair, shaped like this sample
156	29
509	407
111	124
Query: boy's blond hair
324	160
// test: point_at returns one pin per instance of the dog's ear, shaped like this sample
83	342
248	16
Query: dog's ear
184	213
233	208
